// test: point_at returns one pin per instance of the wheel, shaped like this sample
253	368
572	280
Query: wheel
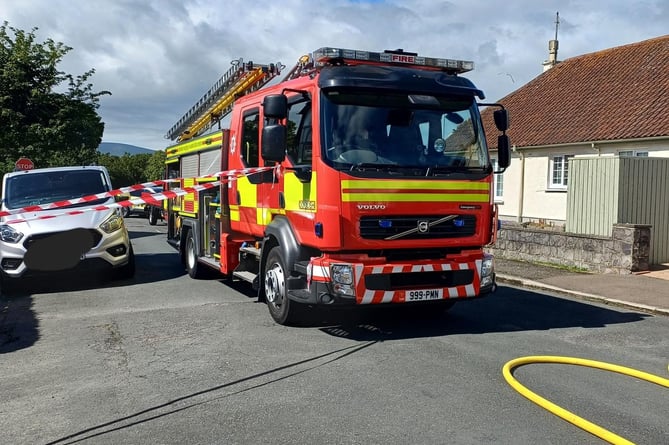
281	308
154	215
125	211
192	266
127	271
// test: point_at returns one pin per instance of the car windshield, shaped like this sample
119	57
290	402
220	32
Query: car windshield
402	130
45	187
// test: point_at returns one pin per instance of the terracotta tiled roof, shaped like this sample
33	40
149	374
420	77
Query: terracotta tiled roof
618	93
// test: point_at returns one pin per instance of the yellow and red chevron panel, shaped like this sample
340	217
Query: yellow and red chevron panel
320	272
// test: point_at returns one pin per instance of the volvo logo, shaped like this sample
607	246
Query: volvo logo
423	226
371	206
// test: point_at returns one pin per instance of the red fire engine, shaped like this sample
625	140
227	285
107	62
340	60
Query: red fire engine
376	187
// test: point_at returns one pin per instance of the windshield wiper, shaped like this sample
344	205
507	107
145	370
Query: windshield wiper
442	170
372	165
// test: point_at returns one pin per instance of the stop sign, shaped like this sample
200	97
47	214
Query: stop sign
24	164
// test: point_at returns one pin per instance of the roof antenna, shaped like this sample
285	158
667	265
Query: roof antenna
553	47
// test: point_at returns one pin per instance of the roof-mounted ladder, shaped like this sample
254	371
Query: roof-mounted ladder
240	79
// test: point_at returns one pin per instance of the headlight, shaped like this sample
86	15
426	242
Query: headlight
113	223
342	273
487	267
342	279
10	235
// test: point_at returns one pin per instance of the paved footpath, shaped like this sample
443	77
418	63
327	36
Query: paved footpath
647	292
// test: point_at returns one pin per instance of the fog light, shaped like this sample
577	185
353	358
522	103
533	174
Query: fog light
344	289
117	251
11	263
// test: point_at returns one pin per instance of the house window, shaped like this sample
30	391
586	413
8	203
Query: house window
631	153
498	182
559	172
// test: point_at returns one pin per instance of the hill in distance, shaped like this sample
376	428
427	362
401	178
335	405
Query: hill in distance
118	149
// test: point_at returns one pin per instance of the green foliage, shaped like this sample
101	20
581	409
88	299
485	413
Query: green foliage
133	169
51	128
155	168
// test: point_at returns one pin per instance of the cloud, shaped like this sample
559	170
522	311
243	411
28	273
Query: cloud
158	57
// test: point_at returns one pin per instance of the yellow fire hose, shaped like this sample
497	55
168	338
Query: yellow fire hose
590	427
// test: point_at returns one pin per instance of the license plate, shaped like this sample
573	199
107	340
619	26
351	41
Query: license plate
423	295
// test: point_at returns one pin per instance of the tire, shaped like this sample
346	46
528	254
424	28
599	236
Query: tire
154	215
281	308
127	271
190	256
125	211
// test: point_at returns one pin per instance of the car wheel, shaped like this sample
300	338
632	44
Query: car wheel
154	215
281	308
192	266
125	211
127	271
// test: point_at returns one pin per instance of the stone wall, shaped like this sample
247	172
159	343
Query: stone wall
626	251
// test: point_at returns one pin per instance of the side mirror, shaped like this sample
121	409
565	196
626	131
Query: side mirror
501	119
503	152
273	143
275	106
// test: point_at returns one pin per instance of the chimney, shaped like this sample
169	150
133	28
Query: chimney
553	47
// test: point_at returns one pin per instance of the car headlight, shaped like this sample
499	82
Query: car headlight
9	234
113	223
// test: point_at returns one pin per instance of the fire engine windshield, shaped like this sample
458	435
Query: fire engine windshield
381	129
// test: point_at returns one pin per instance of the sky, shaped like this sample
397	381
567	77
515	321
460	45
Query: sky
158	57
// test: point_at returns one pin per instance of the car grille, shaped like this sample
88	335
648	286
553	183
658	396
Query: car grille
97	236
374	227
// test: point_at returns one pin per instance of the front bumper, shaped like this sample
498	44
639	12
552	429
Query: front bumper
387	283
61	251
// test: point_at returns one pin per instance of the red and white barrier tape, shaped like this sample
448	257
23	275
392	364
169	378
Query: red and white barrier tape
155	199
149	198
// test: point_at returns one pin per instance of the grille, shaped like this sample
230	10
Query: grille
416	280
374	227
95	235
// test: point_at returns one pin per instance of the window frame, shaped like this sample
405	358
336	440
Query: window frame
633	153
562	182
497	183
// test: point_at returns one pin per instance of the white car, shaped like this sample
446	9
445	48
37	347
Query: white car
33	243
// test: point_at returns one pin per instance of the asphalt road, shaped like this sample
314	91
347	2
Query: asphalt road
165	359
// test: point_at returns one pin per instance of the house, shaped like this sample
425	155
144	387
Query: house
613	102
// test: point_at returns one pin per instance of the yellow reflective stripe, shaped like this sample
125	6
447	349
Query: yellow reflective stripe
263	217
412	185
414	191
247	191
234	213
206	142
299	196
415	197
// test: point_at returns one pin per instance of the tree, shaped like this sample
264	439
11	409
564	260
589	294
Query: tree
155	168
125	170
51	128
133	169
